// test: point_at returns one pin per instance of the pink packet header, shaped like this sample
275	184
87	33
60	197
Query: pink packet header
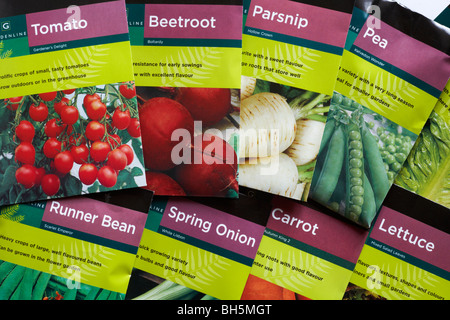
213	226
76	23
412	237
194	21
300	20
97	218
317	229
404	52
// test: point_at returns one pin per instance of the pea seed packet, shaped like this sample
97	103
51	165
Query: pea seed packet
186	58
306	253
201	246
68	111
383	96
290	57
405	256
78	248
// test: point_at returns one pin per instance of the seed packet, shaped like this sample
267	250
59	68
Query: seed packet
68	111
199	245
186	57
426	171
383	97
305	254
290	57
405	256
78	248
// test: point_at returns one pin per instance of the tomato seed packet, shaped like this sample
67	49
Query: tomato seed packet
383	96
203	246
290	57
305	254
186	58
69	123
405	256
78	248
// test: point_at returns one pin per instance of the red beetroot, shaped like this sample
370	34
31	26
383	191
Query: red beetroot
162	184
210	105
159	118
213	168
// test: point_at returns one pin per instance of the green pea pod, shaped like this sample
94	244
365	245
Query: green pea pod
369	209
329	175
377	172
11	282
354	173
330	126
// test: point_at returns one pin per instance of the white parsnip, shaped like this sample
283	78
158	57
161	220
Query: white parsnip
267	125
277	174
248	85
305	147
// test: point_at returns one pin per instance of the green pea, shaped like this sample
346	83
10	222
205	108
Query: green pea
396	166
357	154
347	102
398	141
357	200
380	131
356	181
356	209
391	175
401	157
355	172
337	98
357	190
390	159
354	135
391	148
356	145
355	163
370	124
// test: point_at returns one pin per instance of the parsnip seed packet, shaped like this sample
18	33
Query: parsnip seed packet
291	52
394	68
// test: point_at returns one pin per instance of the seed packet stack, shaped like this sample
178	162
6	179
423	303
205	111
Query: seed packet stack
383	97
186	57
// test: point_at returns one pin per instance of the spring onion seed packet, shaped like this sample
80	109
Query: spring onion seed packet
69	123
77	248
186	58
385	92
199	245
291	52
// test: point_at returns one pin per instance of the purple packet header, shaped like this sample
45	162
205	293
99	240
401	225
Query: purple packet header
317	229
194	21
300	20
77	23
412	237
97	218
213	226
404	52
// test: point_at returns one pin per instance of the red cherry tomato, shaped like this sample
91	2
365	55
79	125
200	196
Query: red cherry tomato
88	173
121	119
128	90
134	129
107	176
40	172
95	130
13	103
64	162
50	184
25	131
48	96
80	153
38	112
25	153
53	129
69	115
114	140
128	152
69	91
117	159
96	109
60	105
99	150
89	98
26	175
52	147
